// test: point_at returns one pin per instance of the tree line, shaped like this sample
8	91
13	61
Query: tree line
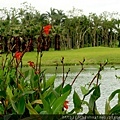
68	30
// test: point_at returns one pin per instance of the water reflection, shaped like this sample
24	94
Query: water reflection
109	83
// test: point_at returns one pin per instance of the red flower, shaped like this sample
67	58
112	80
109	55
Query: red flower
31	64
46	29
18	55
66	104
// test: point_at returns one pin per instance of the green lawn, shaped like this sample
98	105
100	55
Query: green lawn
92	55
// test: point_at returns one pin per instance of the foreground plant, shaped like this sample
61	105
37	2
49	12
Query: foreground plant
27	93
30	93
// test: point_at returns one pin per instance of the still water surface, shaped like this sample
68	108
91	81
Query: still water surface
108	81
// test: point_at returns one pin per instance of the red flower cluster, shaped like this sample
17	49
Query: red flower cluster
18	55
31	64
66	104
46	29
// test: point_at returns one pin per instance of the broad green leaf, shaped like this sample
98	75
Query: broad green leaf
93	111
50	95
21	105
92	106
58	89
46	106
58	104
46	93
32	111
66	88
38	108
115	109
49	82
96	92
113	94
92	101
77	102
10	96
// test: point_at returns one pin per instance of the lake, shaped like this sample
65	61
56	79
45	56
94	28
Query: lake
108	81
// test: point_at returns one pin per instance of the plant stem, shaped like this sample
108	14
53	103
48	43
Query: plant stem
82	63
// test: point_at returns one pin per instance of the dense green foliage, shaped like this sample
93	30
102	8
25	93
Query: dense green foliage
75	30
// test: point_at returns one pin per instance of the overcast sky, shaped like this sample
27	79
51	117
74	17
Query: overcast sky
88	6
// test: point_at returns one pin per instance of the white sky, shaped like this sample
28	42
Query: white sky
88	6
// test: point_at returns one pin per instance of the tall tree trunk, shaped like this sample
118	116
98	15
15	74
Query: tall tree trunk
57	42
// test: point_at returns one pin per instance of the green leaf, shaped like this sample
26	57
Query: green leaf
77	102
49	82
16	98
84	90
92	101
10	96
58	89
32	111
66	88
96	92
51	95
26	93
113	94
21	105
38	108
115	109
46	106
58	104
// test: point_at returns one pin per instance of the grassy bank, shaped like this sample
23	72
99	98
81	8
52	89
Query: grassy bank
94	55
